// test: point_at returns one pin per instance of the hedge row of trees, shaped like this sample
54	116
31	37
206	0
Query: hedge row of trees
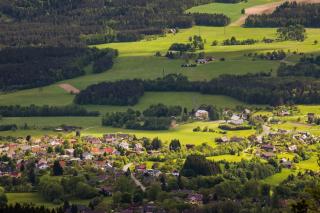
205	19
234	41
124	92
289	13
33	111
29	67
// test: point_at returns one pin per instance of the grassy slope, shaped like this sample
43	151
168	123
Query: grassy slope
231	10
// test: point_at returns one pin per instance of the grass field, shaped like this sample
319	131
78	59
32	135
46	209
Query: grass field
231	10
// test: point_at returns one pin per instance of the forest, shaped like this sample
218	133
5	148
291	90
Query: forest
60	23
287	14
29	67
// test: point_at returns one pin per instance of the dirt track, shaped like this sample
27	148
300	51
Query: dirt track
69	88
266	9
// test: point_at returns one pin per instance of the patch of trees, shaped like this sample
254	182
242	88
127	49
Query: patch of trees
198	165
205	19
55	190
234	127
289	13
29	67
33	110
234	41
274	55
124	92
135	120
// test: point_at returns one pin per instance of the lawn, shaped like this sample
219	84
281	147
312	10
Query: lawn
278	177
36	199
231	10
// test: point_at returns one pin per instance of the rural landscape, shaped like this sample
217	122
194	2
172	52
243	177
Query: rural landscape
152	106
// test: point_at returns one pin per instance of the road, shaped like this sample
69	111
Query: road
135	180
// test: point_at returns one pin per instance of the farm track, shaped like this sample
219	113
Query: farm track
265	9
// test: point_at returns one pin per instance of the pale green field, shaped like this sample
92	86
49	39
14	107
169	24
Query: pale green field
231	10
36	199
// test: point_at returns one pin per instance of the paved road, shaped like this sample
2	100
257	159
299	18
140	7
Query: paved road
135	180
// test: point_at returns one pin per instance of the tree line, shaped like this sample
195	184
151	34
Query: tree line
289	13
33	111
29	67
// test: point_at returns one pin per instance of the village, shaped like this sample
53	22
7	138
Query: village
146	161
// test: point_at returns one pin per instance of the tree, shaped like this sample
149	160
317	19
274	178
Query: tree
175	145
292	32
57	168
156	143
199	165
153	191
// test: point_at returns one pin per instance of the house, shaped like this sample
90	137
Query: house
236	120
195	199
87	156
202	114
292	148
69	152
124	145
236	139
286	163
107	150
152	172
105	191
268	148
283	113
311	117
190	146
223	139
141	168
201	61
138	147
175	173
268	155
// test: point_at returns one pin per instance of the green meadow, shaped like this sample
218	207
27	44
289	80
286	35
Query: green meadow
231	10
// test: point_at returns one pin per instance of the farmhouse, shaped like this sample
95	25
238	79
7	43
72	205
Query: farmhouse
202	114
